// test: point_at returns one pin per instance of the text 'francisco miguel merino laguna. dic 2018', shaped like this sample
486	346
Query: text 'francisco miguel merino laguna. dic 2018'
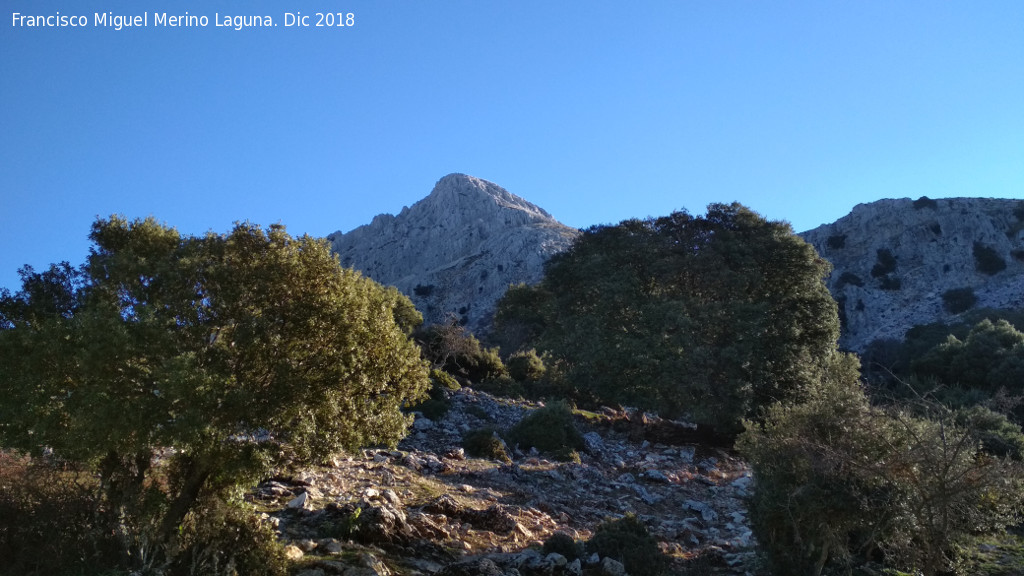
165	20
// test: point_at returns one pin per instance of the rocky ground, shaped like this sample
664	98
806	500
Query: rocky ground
427	508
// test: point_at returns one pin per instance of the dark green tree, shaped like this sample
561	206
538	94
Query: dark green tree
990	358
226	355
714	316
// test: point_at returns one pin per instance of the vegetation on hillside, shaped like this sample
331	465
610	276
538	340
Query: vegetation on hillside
177	370
143	391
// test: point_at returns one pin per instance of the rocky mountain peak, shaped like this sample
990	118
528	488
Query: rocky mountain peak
896	262
456	251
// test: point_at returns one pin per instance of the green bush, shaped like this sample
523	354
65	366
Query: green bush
885	263
959	300
485	443
562	543
998	436
925	202
628	541
550	430
526	366
442	379
848	278
451	348
836	242
51	520
837	477
504	386
987	260
223	539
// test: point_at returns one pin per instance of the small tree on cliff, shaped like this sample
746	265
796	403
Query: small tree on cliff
235	351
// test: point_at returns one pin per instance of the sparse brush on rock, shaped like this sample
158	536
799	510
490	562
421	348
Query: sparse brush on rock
562	543
503	385
485	443
628	541
550	430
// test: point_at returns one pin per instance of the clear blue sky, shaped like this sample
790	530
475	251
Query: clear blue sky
596	111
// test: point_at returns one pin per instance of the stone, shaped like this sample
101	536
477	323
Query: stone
422	423
293	552
556	559
330	546
575	568
706	512
477	567
593	443
457	250
612	567
306	545
300	501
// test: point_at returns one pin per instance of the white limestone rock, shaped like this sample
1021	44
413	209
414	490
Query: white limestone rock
457	250
932	242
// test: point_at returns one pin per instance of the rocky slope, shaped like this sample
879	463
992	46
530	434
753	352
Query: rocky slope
428	508
895	259
458	249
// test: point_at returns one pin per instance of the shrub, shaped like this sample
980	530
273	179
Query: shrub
436	405
451	348
50	520
562	543
925	202
936	228
628	541
1019	211
836	242
837	477
222	539
1018	254
998	436
987	260
848	278
959	300
442	379
526	366
890	283
485	443
503	386
885	263
550	430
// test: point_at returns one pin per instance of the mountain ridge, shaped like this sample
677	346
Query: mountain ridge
456	251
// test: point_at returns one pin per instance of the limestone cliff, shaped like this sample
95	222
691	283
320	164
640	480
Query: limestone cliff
457	250
894	260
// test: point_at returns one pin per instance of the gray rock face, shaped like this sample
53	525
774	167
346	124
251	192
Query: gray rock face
932	244
457	250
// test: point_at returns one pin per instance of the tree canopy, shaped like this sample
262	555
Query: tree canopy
712	316
224	354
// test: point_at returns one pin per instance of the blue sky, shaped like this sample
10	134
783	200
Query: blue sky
596	111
